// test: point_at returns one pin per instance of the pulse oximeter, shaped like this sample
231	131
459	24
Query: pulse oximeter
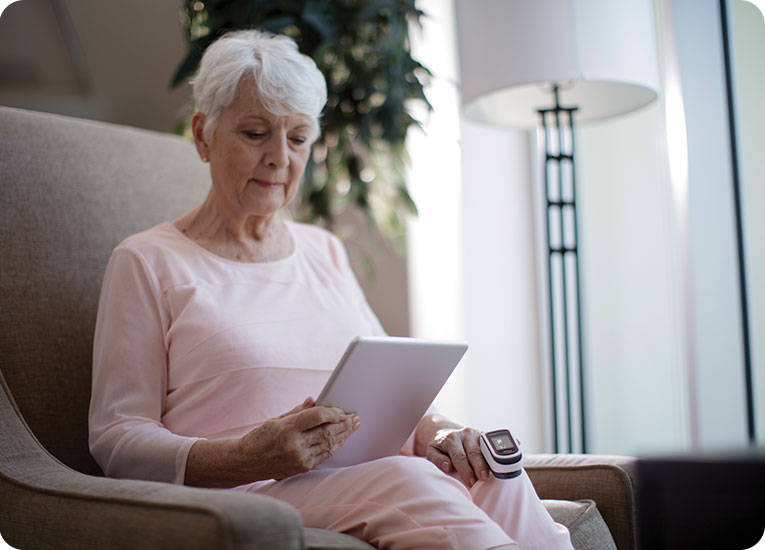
502	453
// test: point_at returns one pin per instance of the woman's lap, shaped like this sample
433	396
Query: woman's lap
406	502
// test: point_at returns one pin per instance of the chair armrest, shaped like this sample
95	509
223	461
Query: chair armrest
77	511
45	504
608	480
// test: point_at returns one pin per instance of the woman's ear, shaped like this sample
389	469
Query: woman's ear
197	130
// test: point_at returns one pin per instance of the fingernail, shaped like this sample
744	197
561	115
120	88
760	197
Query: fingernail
445	466
484	475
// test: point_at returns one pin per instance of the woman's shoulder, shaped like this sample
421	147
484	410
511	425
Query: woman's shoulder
162	249
163	253
160	238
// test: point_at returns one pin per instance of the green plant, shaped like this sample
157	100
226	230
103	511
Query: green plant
363	49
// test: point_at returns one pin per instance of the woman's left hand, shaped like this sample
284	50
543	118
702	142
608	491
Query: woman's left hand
452	448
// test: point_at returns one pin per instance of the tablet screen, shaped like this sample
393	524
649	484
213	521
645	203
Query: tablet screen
389	382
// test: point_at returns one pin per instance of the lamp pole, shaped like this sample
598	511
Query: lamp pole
563	272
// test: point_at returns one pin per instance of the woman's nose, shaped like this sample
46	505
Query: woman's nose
277	152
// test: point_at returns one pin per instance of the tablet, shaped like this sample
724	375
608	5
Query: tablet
389	382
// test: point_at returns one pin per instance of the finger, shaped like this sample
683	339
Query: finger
307	404
316	416
452	445
330	438
440	459
320	453
336	430
475	456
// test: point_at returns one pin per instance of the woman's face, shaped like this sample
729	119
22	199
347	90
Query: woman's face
256	158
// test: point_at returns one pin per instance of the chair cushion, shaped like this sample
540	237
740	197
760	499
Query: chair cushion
581	517
584	522
319	539
70	191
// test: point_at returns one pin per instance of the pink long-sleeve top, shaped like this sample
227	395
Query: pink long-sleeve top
190	345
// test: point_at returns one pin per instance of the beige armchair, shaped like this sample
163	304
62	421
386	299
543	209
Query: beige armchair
70	190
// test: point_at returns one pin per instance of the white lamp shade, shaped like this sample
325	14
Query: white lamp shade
602	53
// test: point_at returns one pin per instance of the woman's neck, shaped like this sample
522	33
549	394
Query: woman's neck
243	238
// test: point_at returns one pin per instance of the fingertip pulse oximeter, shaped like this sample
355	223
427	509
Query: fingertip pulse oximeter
502	453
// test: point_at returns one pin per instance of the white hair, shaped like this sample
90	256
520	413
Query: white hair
287	82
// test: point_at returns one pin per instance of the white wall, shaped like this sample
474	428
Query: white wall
434	237
505	386
470	253
634	336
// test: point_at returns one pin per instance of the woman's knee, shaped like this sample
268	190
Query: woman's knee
416	475
406	467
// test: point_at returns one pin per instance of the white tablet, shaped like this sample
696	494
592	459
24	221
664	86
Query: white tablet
389	382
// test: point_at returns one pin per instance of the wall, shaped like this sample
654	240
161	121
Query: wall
96	59
635	359
506	386
470	250
435	248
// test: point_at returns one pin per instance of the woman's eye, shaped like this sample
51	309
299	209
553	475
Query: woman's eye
252	134
298	140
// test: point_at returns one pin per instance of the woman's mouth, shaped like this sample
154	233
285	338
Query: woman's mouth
266	184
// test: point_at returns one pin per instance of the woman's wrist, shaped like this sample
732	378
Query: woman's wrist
426	431
217	464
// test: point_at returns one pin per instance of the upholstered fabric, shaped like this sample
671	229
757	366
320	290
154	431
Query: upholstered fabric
609	481
585	524
319	539
44	504
71	190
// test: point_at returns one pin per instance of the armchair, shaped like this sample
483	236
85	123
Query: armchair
70	190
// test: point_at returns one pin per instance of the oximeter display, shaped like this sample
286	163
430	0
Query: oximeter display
502	454
503	443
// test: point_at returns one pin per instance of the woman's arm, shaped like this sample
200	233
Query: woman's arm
293	443
451	447
127	437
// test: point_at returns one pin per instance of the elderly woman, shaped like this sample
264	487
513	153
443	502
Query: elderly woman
214	328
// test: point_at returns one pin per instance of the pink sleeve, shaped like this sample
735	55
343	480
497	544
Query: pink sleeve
127	437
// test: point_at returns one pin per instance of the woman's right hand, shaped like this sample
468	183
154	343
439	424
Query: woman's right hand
293	443
298	440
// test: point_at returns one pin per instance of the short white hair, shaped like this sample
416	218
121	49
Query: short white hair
287	81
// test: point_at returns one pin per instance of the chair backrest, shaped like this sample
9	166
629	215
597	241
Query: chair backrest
70	191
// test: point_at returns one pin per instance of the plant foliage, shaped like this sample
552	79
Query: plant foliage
362	47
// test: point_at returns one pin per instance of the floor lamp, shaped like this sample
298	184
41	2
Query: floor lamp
550	64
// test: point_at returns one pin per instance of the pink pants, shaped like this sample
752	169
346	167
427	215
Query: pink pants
405	502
